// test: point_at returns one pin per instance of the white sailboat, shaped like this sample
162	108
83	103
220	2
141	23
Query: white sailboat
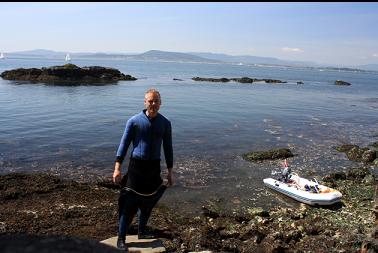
68	58
2	56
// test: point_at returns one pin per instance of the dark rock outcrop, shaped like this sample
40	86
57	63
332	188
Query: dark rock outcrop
340	82
357	154
239	80
243	80
276	153
68	74
346	147
223	80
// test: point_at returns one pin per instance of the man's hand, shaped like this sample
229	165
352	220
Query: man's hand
117	176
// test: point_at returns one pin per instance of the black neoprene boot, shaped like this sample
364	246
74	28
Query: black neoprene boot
121	244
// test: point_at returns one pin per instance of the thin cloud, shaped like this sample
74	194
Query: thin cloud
291	49
375	55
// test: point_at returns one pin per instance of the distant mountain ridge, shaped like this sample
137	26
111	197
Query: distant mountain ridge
195	57
248	59
173	56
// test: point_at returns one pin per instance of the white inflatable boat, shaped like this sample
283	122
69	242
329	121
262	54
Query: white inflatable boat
303	190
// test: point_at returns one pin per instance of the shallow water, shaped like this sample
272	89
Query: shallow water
75	131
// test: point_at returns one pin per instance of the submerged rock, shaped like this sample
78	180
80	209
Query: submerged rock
276	153
340	82
346	147
68	74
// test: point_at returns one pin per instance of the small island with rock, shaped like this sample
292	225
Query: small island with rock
68	74
239	80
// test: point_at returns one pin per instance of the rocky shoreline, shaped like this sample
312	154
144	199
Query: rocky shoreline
45	205
68	74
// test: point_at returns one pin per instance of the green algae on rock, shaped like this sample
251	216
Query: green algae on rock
272	154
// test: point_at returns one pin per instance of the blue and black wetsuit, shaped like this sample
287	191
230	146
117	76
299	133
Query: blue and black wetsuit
147	136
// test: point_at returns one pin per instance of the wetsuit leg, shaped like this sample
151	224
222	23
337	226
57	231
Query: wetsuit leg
128	206
145	209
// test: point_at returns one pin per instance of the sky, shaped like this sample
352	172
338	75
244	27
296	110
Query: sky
343	34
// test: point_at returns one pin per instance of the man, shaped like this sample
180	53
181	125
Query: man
142	185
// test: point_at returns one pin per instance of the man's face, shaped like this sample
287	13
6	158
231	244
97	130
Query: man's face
152	103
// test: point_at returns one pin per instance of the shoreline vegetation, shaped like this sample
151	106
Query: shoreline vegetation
48	206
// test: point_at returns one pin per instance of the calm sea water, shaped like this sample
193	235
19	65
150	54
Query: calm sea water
75	131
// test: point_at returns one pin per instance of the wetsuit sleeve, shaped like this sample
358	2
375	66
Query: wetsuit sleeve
167	145
127	136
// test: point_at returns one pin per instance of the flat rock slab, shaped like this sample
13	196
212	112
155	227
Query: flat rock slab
140	246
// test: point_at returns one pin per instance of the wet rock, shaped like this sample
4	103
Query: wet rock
358	173
211	213
277	153
374	144
243	80
293	236
368	156
300	82
369	179
355	154
109	184
257	211
68	74
375	162
273	81
12	185
335	176
346	147
223	80
239	80
340	82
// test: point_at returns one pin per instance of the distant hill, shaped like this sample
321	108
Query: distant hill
371	67
247	59
197	57
37	53
152	55
170	56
